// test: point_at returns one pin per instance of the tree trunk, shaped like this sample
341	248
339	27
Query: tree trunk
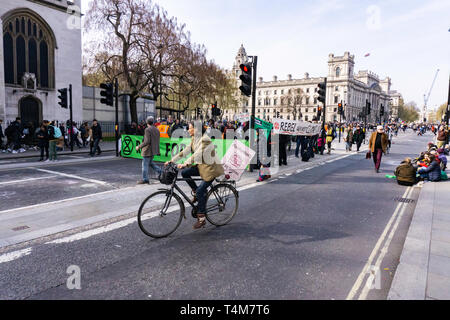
133	109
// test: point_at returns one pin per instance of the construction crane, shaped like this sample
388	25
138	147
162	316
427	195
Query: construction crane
427	97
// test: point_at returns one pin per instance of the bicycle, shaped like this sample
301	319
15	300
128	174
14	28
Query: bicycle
161	213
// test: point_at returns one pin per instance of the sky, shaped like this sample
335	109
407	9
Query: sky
408	40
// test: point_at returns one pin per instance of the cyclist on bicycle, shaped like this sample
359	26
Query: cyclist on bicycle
207	166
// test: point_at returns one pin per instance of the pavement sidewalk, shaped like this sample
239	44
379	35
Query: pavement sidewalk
29	223
32	153
424	269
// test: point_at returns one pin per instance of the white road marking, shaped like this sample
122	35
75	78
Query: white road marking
369	262
25	180
64	200
385	248
108	228
7	257
73	176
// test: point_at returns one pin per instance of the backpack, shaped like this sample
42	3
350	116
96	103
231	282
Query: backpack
9	130
57	133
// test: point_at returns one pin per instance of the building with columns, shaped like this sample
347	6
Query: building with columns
40	52
293	98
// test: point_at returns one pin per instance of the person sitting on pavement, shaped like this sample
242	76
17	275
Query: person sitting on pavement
406	173
442	158
432	172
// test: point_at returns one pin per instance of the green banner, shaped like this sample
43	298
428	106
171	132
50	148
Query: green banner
169	147
266	126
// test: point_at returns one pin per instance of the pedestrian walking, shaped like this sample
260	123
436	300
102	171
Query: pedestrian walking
43	142
348	138
378	144
150	149
358	137
96	138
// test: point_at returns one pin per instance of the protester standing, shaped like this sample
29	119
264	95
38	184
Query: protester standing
43	142
1	135
54	133
378	144
441	137
150	148
330	137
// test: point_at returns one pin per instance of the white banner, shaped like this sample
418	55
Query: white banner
295	128
236	159
243	117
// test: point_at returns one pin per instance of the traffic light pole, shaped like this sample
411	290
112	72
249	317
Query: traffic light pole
71	118
116	95
252	116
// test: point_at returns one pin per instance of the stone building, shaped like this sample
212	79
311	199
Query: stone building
40	52
292	98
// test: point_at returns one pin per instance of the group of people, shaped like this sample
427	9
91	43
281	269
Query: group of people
430	165
19	138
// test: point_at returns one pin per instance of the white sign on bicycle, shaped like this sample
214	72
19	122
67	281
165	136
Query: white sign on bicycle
236	159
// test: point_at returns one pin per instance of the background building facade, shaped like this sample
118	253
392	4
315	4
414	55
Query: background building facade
297	98
40	52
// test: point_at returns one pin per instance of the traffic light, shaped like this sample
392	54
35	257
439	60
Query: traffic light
381	111
214	110
322	92
340	108
319	112
246	78
108	93
63	98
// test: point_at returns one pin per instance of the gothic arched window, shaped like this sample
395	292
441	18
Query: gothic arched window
28	47
338	72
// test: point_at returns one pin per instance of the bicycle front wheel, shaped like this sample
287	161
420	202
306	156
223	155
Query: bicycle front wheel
222	204
160	214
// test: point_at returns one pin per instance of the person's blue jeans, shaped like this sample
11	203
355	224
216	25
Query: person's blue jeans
146	163
96	147
199	191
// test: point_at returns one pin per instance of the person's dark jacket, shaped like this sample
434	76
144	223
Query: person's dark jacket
97	132
406	172
43	138
433	170
358	136
1	132
51	132
18	130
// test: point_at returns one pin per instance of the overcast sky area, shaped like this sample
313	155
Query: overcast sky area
408	40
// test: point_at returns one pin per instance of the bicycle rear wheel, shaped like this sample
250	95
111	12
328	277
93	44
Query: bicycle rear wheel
222	204
160	214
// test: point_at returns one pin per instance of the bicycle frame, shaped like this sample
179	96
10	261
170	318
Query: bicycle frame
174	186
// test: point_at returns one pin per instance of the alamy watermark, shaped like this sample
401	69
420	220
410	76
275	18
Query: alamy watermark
74	21
74	280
